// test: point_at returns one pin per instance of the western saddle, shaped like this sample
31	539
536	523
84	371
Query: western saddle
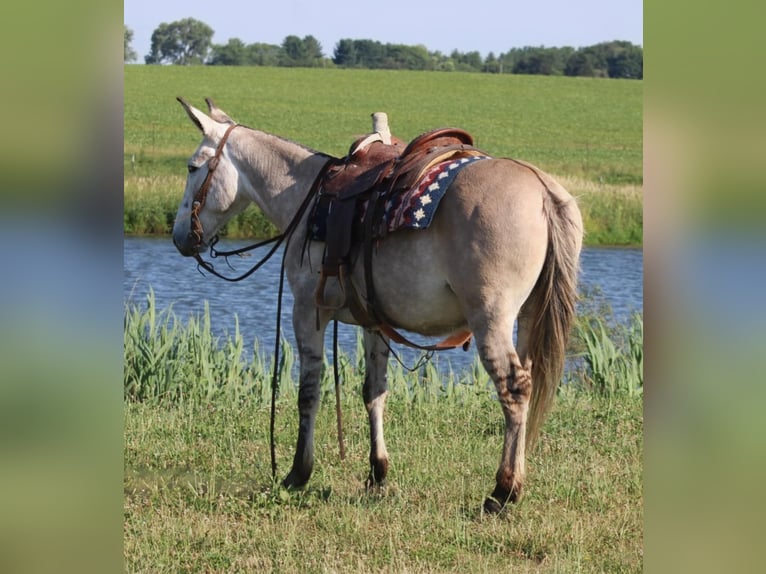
349	210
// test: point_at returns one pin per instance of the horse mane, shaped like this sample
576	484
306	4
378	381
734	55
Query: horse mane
292	142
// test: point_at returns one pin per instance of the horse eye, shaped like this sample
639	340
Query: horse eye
192	168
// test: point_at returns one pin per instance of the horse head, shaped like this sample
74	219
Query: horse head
212	186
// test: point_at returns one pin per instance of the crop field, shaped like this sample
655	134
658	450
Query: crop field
585	131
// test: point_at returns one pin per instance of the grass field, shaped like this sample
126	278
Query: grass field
199	495
585	131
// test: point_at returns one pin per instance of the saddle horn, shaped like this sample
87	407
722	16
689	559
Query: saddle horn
380	132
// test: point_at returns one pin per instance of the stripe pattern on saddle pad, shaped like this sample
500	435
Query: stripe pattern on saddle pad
414	209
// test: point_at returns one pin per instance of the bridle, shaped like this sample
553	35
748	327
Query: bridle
196	231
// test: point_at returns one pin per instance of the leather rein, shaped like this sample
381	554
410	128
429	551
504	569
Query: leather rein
197	231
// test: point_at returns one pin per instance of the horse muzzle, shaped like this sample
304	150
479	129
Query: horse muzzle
187	243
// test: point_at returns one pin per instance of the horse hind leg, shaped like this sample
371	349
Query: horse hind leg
513	382
374	393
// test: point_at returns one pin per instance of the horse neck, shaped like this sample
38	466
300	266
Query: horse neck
276	174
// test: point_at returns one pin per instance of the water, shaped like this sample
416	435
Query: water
616	275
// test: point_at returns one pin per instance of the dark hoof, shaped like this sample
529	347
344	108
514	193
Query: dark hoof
492	506
378	471
295	480
372	485
498	500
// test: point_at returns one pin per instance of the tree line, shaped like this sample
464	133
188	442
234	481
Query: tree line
189	41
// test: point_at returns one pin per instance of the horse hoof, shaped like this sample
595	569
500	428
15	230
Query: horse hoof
371	486
295	480
492	506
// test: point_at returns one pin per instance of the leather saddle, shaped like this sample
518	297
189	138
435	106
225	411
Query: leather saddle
352	192
376	169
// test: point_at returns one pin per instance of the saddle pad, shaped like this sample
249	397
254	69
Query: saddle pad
414	209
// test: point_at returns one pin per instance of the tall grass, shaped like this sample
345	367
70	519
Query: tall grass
611	358
167	361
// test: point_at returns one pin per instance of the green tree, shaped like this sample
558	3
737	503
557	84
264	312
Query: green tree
535	61
402	57
468	62
626	62
579	64
306	52
261	54
233	53
492	64
130	53
345	53
369	53
617	59
182	42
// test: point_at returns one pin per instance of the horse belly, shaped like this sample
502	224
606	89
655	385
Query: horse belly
411	285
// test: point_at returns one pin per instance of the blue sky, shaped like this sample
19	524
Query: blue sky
446	25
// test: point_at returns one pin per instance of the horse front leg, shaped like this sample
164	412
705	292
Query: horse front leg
310	342
374	392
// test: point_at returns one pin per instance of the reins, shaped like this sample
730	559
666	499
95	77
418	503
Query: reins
386	331
284	237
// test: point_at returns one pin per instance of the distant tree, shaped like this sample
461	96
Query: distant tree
579	64
627	62
370	53
233	53
260	54
492	64
306	52
345	54
402	57
182	42
130	53
468	62
535	61
313	50
617	59
441	62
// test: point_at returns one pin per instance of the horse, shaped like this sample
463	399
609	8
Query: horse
502	251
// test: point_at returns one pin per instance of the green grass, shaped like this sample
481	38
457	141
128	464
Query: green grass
586	131
199	495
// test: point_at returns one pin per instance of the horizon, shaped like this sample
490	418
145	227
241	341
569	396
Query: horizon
496	27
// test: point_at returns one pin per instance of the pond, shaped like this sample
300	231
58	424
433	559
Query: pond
613	276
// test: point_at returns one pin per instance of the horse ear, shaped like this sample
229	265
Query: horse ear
205	124
217	113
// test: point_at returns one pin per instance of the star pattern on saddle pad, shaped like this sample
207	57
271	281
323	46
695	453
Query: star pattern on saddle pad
414	209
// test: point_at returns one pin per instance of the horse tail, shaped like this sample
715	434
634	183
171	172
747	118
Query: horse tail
551	305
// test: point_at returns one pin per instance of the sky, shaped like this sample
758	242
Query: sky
444	25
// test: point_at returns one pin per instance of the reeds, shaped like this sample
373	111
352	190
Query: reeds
612	358
168	361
